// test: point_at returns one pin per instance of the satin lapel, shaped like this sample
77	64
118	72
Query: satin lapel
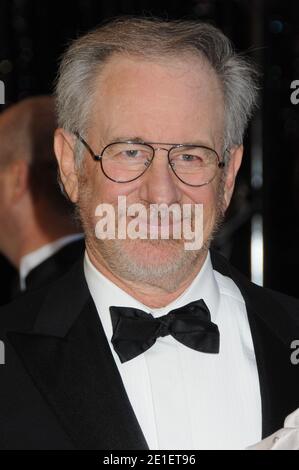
272	335
70	362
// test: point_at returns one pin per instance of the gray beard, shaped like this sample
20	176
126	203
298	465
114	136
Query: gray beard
168	275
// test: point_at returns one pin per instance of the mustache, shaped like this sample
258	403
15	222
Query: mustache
157	210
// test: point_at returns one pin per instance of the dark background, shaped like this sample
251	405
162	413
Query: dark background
34	33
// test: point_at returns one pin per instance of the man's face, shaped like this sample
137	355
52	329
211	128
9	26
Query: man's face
172	101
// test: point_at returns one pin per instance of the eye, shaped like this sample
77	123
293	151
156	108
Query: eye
131	153
189	158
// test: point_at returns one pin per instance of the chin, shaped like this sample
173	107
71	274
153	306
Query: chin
161	263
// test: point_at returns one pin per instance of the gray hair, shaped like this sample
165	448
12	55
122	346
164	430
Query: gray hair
154	38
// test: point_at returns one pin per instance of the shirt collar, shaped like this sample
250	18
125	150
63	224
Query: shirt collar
105	293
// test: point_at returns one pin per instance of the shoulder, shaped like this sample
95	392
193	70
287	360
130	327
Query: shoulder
234	283
291	304
71	251
21	314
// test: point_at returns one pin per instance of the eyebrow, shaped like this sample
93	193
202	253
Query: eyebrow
126	138
140	140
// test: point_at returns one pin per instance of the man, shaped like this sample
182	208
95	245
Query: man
145	344
38	234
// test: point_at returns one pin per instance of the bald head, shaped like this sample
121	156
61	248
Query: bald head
33	211
26	133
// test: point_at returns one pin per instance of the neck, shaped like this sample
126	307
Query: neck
151	296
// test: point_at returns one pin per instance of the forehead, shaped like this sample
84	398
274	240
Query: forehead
167	100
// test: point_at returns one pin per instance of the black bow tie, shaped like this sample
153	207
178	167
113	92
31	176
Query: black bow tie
135	331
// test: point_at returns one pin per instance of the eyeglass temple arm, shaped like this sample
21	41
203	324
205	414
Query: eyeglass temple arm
94	156
223	163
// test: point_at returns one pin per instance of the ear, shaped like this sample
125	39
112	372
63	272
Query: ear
64	151
17	180
234	163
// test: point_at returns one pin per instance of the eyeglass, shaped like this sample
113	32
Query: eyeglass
123	162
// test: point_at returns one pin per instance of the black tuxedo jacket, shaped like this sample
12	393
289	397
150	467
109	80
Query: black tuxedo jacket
60	387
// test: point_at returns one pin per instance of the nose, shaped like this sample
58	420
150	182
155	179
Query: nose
159	183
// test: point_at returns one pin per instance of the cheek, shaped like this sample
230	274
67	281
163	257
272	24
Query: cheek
209	210
107	191
206	195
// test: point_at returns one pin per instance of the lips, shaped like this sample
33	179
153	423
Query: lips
157	224
156	229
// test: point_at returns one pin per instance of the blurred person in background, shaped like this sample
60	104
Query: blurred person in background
38	235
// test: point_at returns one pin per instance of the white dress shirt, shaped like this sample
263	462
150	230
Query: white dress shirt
36	257
182	398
